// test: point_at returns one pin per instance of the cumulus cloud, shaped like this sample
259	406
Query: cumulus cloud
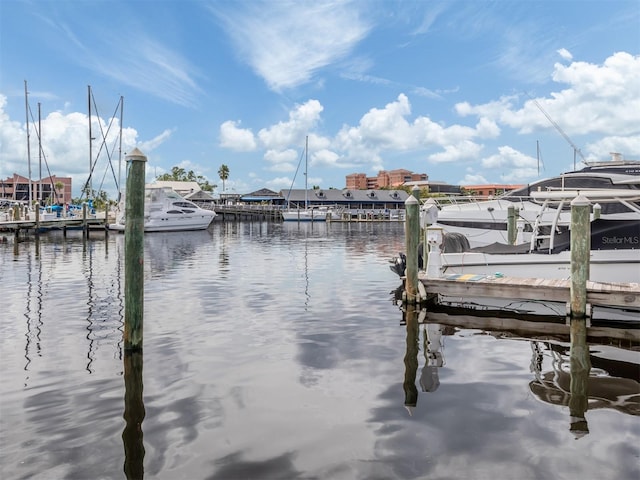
302	119
235	138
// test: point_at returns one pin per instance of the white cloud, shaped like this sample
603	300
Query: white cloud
601	100
235	138
509	157
302	119
565	54
473	179
287	43
464	150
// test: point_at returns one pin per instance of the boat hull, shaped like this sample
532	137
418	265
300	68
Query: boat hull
168	224
605	265
305	216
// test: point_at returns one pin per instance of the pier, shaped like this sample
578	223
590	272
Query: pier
575	290
620	295
36	227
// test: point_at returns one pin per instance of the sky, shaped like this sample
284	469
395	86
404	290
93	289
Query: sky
468	92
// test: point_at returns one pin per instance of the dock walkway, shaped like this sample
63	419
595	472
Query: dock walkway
622	295
17	226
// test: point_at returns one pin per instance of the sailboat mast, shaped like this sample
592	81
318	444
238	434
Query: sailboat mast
306	164
40	154
120	148
26	107
90	142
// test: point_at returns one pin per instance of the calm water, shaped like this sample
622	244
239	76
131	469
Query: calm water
276	351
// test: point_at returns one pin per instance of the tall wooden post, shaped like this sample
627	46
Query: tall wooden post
134	251
580	251
511	225
412	234
85	226
37	207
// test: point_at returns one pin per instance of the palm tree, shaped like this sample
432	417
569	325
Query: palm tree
59	186
223	173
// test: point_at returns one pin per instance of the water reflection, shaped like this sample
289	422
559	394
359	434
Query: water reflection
584	381
410	317
33	310
433	348
132	436
581	376
101	292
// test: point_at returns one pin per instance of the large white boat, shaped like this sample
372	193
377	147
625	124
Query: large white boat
614	243
167	211
484	222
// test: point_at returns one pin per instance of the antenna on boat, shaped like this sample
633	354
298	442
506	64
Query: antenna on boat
576	150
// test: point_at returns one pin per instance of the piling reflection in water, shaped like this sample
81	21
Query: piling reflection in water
580	368
580	377
134	413
410	317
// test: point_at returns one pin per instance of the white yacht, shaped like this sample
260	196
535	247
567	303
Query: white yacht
484	222
166	211
614	243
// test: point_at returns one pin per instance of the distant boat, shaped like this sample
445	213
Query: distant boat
309	214
166	211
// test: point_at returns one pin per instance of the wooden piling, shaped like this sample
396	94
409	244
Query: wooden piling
511	225
580	251
412	234
85	225
37	207
134	251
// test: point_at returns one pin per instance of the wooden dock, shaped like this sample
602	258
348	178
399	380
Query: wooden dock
31	226
246	212
620	295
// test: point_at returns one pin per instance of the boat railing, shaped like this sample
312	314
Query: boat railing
503	201
557	201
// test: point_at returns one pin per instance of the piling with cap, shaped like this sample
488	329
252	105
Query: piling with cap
412	239
511	225
134	251
37	207
580	252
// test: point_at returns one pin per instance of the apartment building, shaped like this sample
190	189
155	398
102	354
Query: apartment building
384	179
51	189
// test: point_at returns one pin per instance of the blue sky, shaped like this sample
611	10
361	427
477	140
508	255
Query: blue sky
446	88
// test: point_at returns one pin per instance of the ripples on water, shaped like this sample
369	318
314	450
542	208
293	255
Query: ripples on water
275	351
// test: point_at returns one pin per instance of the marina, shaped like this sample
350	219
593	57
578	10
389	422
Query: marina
313	370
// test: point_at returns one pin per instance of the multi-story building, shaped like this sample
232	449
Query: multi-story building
50	190
384	179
